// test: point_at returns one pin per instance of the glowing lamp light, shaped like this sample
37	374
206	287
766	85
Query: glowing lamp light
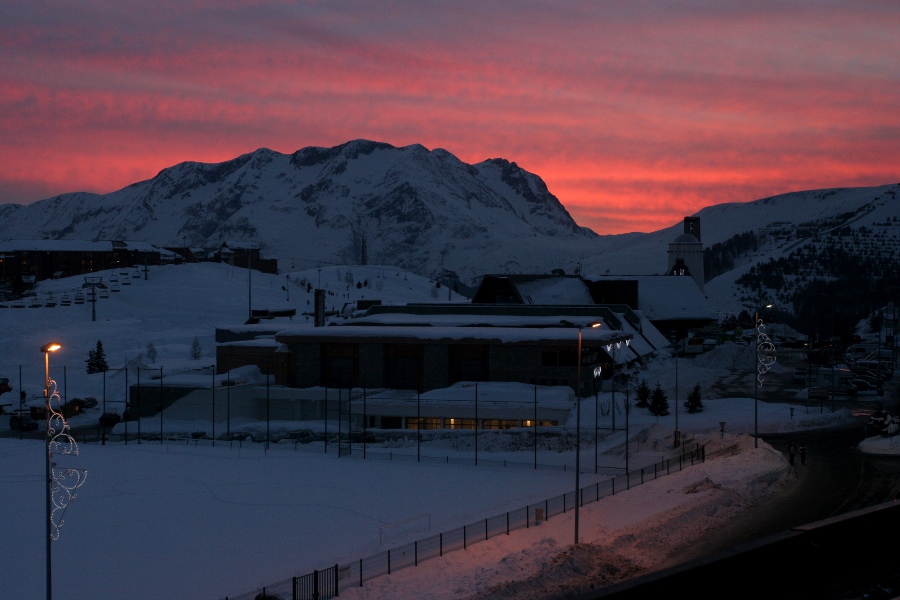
51	347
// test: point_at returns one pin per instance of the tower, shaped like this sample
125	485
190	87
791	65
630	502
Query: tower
686	252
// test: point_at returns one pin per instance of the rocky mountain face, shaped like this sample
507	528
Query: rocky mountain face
425	211
431	213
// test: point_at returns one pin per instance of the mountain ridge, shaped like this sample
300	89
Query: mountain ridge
419	209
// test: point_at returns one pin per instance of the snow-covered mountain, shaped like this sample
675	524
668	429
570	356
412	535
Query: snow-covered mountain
430	213
422	210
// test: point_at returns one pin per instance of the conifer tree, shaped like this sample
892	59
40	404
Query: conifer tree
151	352
643	394
96	360
195	349
694	402
659	402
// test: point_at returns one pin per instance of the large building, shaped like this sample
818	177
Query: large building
431	346
35	260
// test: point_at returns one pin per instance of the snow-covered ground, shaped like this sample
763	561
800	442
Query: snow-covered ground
171	520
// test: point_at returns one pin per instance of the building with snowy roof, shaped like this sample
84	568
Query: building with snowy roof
673	305
36	260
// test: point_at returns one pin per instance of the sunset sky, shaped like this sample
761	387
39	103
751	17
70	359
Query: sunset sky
634	113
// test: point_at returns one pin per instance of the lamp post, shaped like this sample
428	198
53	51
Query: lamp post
578	424
61	481
762	364
48	468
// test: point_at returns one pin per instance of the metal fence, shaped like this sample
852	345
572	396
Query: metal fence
327	583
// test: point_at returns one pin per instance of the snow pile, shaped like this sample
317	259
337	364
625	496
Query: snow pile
730	356
621	535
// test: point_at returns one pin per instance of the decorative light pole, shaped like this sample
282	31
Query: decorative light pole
765	358
63	481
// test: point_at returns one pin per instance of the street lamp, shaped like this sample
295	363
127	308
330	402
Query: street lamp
63	481
765	358
47	349
578	423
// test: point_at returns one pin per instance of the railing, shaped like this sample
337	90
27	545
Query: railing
326	584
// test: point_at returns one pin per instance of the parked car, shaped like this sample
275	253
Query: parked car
108	419
22	422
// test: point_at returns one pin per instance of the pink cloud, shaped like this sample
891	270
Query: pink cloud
634	115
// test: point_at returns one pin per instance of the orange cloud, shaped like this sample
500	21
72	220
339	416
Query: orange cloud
634	114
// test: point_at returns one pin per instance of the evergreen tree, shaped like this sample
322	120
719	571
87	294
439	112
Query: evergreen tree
659	402
643	394
96	360
195	349
151	352
694	403
100	358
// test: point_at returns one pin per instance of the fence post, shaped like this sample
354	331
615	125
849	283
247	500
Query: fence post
360	573
416	553
642	475
464	537
337	591
315	585
389	562
668	466
527	517
547	507
507	522
441	542
564	504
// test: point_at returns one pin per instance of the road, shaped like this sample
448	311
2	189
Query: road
836	478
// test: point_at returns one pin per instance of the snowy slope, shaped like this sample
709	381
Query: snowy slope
173	306
209	522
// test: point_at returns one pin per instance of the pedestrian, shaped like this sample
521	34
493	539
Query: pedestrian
792	450
802	454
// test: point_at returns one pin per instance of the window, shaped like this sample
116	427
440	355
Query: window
499	424
423	423
460	423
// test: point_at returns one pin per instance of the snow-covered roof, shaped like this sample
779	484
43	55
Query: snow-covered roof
55	246
555	290
470	320
241	245
139	246
649	331
668	297
501	335
686	238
